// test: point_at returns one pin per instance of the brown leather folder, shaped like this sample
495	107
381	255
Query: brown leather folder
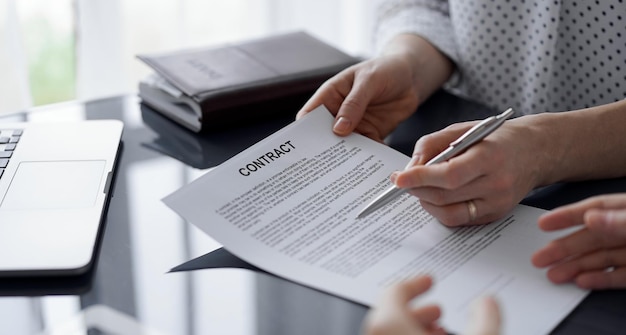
240	82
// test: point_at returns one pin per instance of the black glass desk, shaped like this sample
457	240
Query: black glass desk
131	289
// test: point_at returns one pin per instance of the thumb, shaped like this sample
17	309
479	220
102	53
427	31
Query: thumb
353	106
485	318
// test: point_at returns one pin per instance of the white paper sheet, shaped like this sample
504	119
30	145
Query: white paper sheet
289	203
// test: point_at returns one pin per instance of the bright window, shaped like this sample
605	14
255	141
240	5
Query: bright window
58	50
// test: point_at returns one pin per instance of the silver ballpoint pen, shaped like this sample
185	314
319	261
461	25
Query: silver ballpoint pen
469	138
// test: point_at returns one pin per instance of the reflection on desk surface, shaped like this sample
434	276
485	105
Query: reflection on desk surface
208	149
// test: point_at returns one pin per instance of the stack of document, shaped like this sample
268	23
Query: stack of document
208	88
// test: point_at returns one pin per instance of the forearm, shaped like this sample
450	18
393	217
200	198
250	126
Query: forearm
429	67
583	144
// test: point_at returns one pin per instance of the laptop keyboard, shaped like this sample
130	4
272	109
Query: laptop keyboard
8	141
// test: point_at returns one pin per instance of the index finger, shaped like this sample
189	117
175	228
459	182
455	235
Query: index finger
574	214
576	243
330	94
429	146
451	174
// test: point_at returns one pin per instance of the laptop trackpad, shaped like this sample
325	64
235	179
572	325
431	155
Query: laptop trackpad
54	185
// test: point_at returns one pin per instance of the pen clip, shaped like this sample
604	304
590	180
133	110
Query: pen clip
476	130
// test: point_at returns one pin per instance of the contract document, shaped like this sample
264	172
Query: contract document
289	203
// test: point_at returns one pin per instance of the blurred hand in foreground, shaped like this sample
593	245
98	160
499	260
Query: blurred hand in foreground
394	315
594	256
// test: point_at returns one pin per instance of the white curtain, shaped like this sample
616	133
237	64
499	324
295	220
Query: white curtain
14	86
111	32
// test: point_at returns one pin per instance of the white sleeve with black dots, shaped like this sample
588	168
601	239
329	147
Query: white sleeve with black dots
427	18
535	56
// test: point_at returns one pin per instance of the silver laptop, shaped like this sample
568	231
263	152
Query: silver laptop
53	194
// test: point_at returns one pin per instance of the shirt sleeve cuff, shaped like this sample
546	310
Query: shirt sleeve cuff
431	24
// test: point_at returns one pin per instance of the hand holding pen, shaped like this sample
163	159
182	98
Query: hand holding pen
469	138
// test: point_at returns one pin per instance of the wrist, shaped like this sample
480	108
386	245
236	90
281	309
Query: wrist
544	148
561	143
429	68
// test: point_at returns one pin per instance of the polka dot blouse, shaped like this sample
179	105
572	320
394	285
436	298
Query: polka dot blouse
535	56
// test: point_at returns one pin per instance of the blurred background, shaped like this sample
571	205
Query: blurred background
58	50
53	51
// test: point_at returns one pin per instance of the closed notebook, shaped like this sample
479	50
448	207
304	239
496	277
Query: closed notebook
228	84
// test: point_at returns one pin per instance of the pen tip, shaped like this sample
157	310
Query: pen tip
362	214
